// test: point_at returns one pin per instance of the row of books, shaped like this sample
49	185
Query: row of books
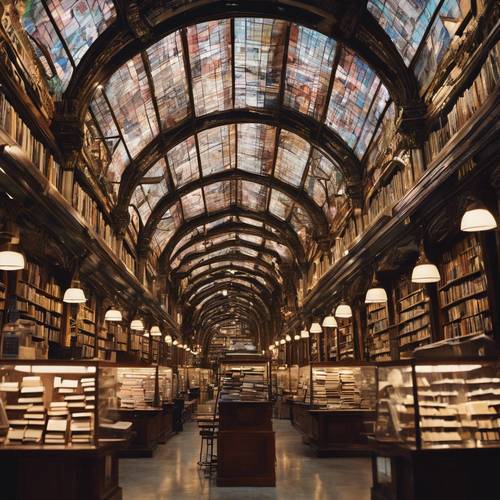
465	258
480	323
345	334
13	125
136	390
466	105
466	288
378	331
29	294
245	383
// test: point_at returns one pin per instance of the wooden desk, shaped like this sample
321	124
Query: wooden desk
246	444
167	423
333	432
59	473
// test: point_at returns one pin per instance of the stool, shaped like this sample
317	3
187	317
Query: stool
207	459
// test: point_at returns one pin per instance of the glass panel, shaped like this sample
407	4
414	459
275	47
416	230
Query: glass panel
129	96
210	56
217	149
183	162
250	222
404	22
282	250
310	60
291	160
353	91
280	204
451	16
252	195
256	144
169	79
258	58
192	204
218	195
251	238
302	224
169	223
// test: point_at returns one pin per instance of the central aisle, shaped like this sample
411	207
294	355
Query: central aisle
173	473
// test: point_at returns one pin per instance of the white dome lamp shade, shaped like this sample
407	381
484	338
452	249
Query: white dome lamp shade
155	331
175	342
276	343
304	334
137	325
11	259
282	341
329	322
477	218
296	337
343	311
146	333
113	314
271	347
168	339
315	328
376	295
74	294
424	271
288	338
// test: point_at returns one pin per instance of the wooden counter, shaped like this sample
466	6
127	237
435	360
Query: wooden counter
246	444
333	432
59	473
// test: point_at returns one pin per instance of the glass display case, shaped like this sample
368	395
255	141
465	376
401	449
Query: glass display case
303	383
48	403
439	404
193	377
343	386
165	382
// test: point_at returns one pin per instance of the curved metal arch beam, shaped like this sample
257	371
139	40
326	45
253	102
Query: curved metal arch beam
224	281
210	275
318	218
265	217
320	136
232	258
354	26
233	227
237	244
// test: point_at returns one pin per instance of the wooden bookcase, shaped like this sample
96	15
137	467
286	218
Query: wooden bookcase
414	327
378	332
463	291
345	338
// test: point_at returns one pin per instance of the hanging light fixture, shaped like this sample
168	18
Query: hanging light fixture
137	325
304	334
296	337
477	218
175	342
424	271
276	343
146	333
155	331
113	314
343	311
288	338
315	328
168	339
224	293
329	322
11	259
271	347
74	294
282	341
375	294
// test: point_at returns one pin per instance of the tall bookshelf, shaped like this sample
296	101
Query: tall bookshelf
87	328
463	291
378	332
413	315
333	353
345	338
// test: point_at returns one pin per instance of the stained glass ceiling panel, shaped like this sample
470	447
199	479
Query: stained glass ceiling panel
302	224
250	222
170	222
183	162
192	204
210	58
252	196
291	160
282	250
258	59
218	195
256	145
169	79
354	89
217	149
310	60
251	238
280	204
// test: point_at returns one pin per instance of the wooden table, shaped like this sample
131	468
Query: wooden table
334	432
246	444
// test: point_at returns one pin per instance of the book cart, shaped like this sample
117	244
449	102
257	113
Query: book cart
337	414
246	440
438	430
55	422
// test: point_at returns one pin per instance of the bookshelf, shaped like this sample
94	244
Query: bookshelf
466	105
345	338
333	353
86	335
378	332
39	299
463	291
413	315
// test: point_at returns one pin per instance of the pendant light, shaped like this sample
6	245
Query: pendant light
271	347
329	322
343	311
11	259
276	343
315	328
137	325
288	338
155	331
477	218
304	334
113	314
175	342
146	333
375	294
424	271
74	294
282	341
296	337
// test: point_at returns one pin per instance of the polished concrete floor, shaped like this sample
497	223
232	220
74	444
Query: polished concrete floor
173	473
